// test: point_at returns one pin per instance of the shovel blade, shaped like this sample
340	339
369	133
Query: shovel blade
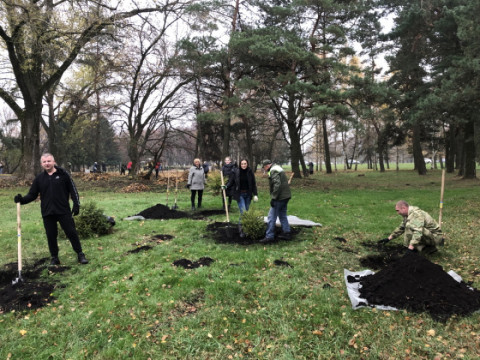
17	280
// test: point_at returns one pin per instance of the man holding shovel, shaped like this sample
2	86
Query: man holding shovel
421	231
280	195
55	186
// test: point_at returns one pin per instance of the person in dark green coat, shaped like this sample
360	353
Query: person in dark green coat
280	195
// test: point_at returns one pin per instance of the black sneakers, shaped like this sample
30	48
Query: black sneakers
266	240
82	259
55	261
284	236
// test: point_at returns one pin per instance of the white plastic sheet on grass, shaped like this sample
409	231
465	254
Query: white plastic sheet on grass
294	221
134	217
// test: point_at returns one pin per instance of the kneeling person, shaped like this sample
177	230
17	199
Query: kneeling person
419	228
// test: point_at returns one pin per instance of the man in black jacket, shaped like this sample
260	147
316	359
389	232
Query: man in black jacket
55	186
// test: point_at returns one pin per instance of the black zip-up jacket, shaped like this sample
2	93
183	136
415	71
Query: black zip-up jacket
54	191
234	183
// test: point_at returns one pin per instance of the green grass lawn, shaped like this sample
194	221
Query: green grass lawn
139	306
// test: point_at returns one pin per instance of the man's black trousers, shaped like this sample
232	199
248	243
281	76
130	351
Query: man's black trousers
68	226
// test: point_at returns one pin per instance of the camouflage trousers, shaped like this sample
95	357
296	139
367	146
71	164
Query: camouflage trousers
428	239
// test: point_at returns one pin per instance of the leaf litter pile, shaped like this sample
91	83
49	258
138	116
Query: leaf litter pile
416	284
31	293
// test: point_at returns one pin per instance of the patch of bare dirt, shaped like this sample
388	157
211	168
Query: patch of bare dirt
385	254
188	264
31	292
227	233
159	238
140	249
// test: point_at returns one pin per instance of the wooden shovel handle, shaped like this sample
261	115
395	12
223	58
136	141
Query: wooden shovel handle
19	238
442	189
224	197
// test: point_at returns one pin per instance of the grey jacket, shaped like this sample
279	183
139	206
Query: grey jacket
196	178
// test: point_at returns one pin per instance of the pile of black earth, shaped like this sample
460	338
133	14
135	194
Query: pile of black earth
160	211
418	285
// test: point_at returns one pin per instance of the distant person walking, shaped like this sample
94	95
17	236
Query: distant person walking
129	167
243	187
421	232
196	182
55	186
206	168
157	169
310	167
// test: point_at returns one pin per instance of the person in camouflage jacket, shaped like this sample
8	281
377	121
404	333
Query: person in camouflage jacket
419	228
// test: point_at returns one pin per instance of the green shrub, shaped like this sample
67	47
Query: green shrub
215	183
252	224
91	222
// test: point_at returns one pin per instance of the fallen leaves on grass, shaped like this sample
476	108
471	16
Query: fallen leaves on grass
135	188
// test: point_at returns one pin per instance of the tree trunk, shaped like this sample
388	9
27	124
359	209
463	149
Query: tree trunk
30	130
249	143
51	129
450	149
417	151
469	151
328	165
295	148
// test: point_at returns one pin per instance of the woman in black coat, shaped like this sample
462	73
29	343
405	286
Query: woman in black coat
227	170
243	187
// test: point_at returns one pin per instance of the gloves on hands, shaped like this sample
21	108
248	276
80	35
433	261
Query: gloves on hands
383	241
188	186
410	251
272	203
255	198
18	198
75	209
223	187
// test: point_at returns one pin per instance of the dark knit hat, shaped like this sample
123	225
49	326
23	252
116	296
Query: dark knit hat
266	162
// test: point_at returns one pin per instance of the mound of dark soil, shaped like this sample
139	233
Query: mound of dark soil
418	285
225	233
29	293
188	264
160	211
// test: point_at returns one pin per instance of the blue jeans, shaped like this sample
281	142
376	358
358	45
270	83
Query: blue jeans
243	204
278	210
